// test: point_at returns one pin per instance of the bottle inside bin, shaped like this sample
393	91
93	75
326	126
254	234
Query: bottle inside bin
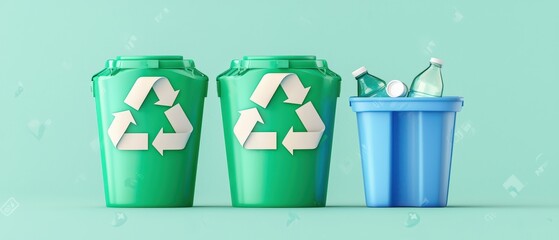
369	85
428	83
396	88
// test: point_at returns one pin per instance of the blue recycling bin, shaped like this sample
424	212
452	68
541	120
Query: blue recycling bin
406	149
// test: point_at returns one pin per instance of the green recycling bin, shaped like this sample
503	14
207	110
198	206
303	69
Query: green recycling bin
278	117
149	115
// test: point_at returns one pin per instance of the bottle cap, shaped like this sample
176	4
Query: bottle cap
396	88
360	71
436	60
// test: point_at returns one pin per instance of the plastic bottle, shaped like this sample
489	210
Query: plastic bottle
369	85
396	88
428	83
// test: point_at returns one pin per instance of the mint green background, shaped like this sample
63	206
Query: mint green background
501	56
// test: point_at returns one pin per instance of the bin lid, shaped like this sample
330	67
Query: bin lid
385	104
281	61
154	61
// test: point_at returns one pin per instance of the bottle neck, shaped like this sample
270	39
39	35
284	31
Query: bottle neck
439	66
361	75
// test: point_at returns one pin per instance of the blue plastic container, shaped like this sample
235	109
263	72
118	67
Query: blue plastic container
406	149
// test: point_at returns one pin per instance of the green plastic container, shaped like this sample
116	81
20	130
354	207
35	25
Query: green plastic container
278	117
149	115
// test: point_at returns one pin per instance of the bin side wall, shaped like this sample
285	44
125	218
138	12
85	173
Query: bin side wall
137	178
264	178
406	157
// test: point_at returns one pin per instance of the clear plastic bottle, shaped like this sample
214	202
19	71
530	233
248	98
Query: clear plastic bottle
428	83
369	85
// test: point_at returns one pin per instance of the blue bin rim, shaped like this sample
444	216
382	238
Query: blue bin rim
387	104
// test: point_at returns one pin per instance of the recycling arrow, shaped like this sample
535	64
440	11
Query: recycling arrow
253	140
314	126
246	123
270	82
133	141
143	85
296	94
176	116
170	141
119	125
261	140
301	140
182	126
122	140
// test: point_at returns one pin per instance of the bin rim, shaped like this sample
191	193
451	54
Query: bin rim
388	104
279	62
150	61
149	57
279	57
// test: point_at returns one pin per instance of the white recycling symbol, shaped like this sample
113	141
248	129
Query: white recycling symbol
296	94
176	116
